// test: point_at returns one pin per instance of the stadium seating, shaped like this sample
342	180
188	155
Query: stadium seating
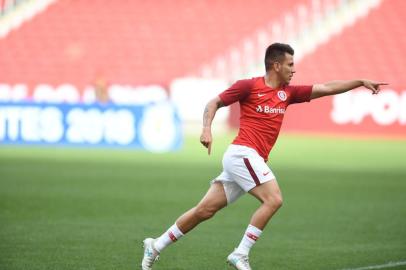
370	48
129	42
138	43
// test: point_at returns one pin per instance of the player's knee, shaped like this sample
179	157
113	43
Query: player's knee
204	212
278	201
274	201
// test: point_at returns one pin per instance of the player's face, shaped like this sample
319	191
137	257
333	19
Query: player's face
287	69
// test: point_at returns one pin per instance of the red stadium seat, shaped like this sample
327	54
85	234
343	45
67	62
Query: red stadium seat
133	42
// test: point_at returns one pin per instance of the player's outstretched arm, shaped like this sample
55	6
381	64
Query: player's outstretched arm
208	116
338	87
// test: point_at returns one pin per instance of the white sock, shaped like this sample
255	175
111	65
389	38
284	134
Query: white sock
170	236
250	237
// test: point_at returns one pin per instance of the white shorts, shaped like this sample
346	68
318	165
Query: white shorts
243	169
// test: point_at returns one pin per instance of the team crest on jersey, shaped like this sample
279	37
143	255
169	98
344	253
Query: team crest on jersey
282	95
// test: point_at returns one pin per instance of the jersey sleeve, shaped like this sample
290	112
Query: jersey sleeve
238	91
301	93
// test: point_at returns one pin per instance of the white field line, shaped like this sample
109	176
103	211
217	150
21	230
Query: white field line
381	266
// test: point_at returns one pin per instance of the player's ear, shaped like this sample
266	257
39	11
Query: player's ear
277	66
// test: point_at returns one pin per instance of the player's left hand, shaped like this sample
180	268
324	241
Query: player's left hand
373	86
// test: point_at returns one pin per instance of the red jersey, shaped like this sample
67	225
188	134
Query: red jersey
261	110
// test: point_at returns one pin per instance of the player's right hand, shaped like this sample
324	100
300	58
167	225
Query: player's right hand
206	138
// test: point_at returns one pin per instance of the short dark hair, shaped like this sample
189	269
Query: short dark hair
276	53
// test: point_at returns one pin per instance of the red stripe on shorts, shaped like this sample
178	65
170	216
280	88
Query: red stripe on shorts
251	170
172	237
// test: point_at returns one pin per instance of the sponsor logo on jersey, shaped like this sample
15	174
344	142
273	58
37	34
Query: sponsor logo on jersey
282	95
261	95
268	109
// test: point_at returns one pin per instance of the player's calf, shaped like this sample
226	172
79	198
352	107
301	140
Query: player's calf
204	212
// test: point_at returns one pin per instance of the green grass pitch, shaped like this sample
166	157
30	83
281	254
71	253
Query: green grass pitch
344	206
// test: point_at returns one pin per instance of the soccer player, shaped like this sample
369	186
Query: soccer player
263	102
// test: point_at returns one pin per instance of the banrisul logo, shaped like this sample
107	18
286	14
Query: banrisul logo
268	109
282	95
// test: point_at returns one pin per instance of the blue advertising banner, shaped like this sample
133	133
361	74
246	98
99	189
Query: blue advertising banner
155	127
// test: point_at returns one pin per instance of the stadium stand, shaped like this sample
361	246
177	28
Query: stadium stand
13	13
140	43
131	42
8	5
367	48
373	47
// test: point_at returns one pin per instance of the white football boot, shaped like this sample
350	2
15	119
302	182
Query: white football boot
239	261
150	254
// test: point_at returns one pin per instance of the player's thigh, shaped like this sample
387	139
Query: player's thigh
250	170
215	198
268	192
